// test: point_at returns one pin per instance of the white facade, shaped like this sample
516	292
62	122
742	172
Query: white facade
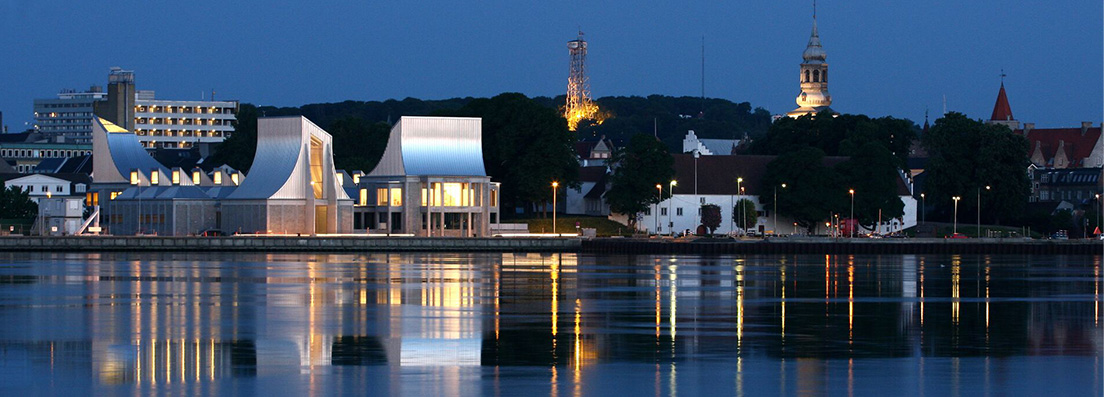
61	216
183	124
681	212
40	186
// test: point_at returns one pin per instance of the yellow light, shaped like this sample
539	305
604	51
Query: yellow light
555	184
852	191
218	177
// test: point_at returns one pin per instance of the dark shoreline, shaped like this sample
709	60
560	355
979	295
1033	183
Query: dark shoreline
781	245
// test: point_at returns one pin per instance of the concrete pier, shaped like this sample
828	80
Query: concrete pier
846	246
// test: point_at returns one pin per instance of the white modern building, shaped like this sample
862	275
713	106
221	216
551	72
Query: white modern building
430	181
183	124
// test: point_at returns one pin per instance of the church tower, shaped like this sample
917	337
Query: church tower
814	97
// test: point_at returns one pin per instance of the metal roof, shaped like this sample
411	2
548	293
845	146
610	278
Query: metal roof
281	167
118	152
439	146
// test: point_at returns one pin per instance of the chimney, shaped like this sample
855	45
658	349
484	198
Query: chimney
1085	125
1027	128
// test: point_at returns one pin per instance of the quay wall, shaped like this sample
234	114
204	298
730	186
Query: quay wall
847	246
533	244
287	244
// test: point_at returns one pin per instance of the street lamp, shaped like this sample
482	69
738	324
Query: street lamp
1100	225
923	209
743	214
776	208
739	193
660	188
555	186
852	222
956	198
979	210
670	222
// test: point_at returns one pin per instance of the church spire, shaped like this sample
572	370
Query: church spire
814	97
814	52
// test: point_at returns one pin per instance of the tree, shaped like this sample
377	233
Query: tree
872	172
745	214
813	191
638	168
967	155
711	216
239	149
526	146
357	143
15	203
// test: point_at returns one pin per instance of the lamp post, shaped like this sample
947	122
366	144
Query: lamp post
660	188
923	209
1100	224
956	198
979	210
555	185
743	214
852	222
670	222
776	208
739	194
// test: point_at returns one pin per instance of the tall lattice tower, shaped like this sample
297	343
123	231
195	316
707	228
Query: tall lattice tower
579	105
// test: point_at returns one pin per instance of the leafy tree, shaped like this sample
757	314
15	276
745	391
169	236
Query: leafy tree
967	155
838	135
239	149
639	167
357	143
711	216
745	214
15	203
872	172
526	146
813	191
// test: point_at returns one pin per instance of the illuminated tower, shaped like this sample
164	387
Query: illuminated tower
579	106
814	97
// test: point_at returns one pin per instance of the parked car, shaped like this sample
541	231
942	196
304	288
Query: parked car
1060	235
957	235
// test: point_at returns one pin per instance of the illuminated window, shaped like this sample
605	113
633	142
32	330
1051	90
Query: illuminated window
356	179
396	197
153	177
176	177
381	197
195	177
494	198
234	178
114	195
363	197
218	177
134	177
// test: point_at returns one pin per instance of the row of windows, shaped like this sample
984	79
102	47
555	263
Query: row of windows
72	127
202	134
444	195
67	105
174	121
47	116
51	153
816	76
41	188
183	109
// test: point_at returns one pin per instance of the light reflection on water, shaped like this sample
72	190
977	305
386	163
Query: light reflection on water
559	324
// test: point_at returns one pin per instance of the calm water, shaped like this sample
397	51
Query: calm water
548	324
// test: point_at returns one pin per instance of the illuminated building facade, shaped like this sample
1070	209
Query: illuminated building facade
157	122
814	97
429	182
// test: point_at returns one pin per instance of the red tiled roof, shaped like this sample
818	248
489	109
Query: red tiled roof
1002	111
1078	146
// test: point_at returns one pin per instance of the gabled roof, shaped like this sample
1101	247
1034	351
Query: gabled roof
1077	146
592	174
1001	110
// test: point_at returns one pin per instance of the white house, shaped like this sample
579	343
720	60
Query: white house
718	180
40	186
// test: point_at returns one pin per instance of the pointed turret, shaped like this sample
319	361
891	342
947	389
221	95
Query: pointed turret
1002	111
814	97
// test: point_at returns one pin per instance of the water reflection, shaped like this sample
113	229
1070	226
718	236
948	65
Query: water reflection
550	323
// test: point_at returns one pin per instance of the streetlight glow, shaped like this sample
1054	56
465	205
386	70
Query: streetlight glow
555	186
852	222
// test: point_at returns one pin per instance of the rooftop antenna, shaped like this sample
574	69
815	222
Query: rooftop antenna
703	77
944	104
814	9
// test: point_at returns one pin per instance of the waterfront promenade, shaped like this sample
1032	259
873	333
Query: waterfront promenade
781	245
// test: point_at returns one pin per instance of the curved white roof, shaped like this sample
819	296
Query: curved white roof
439	146
281	167
117	152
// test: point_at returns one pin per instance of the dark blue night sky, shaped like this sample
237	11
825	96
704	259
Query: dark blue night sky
887	58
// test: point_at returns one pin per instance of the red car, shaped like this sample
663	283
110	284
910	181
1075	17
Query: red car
957	235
